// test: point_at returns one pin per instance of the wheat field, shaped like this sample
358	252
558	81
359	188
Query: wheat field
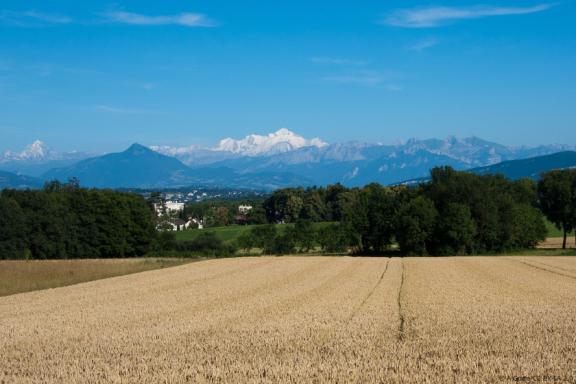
302	319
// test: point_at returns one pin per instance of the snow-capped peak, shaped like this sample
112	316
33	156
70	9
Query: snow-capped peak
35	151
280	141
38	152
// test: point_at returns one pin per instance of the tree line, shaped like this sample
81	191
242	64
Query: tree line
64	221
454	213
301	237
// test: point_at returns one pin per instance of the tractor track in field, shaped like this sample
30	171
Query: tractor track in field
402	319
554	267
369	295
545	269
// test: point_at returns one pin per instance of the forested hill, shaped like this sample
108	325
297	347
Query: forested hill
12	180
530	168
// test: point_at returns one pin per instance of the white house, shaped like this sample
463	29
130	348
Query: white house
173	206
158	208
244	209
172	225
199	223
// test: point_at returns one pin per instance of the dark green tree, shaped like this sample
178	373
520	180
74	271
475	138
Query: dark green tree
256	216
332	238
314	207
556	193
13	232
369	217
304	235
264	236
284	243
415	225
455	231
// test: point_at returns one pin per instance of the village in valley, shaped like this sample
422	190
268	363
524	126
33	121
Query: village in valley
170	209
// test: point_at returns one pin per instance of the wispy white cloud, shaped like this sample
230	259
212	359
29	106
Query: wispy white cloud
367	78
148	86
337	61
48	17
437	16
33	18
424	44
123	111
182	19
355	79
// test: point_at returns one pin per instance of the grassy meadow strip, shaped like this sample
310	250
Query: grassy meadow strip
18	276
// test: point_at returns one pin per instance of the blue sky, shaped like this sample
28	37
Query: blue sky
97	76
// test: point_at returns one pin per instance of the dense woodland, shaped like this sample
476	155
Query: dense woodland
456	213
66	221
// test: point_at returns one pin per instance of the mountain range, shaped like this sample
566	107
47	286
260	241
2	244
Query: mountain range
279	159
37	158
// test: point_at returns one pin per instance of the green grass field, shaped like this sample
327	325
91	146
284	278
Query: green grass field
555	232
231	233
227	234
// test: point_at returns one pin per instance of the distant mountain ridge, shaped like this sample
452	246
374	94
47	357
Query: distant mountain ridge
142	167
280	159
137	166
530	168
356	163
37	158
285	146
